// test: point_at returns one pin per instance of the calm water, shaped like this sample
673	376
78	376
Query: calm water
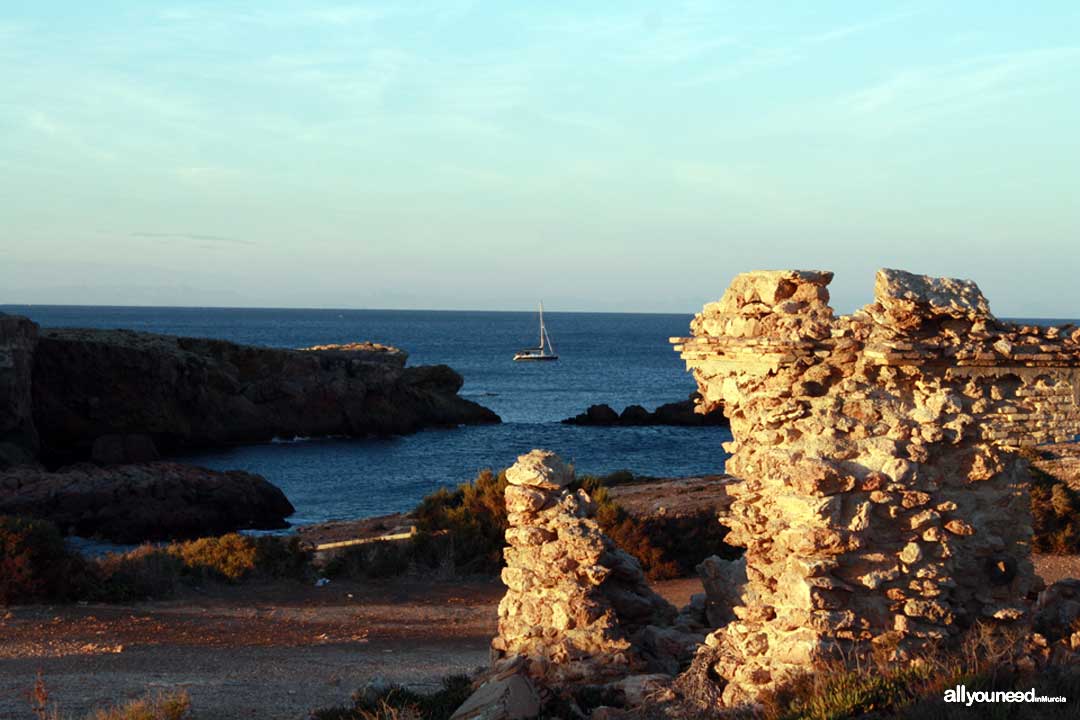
610	358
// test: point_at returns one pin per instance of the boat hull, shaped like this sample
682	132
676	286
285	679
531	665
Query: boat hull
535	358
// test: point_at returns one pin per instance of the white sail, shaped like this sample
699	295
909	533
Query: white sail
545	350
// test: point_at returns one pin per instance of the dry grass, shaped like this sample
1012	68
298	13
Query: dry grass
875	685
171	705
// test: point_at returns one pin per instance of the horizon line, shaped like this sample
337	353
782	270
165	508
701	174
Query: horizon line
339	309
1060	320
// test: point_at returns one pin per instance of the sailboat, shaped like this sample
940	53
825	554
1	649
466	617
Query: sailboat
546	351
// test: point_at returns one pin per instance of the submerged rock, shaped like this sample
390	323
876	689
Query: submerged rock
151	501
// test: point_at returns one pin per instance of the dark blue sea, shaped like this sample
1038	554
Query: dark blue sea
612	358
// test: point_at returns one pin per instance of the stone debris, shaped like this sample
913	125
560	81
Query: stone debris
506	696
577	609
879	502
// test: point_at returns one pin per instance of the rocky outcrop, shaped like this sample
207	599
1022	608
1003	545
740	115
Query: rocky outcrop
577	609
173	392
135	503
881	502
18	437
683	413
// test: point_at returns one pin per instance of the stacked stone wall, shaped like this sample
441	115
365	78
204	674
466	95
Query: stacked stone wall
880	502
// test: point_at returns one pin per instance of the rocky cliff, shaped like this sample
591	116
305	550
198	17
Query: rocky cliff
18	438
120	388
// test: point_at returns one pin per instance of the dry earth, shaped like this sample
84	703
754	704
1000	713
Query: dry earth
269	652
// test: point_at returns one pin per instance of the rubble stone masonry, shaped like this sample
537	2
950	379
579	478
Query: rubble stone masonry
880	502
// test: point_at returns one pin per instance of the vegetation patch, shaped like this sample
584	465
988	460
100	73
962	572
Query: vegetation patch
170	705
462	531
394	702
879	687
1055	520
34	564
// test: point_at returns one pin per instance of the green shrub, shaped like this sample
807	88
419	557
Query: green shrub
34	564
145	572
156	571
474	517
229	557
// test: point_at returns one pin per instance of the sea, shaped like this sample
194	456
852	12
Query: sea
613	358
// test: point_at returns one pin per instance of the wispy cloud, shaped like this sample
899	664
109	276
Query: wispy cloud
193	237
917	94
751	58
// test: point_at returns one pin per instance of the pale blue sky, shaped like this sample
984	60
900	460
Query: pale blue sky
600	155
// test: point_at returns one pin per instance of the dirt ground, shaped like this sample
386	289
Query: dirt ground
270	652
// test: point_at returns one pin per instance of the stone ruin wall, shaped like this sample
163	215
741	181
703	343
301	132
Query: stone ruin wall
577	610
879	502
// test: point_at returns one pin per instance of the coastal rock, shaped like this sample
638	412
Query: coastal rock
596	415
145	502
186	392
18	436
682	413
881	499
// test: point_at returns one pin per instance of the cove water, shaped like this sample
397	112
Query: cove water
614	358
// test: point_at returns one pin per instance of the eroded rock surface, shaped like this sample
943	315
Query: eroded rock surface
880	501
577	609
151	501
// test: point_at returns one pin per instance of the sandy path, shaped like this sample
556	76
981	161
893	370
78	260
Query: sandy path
268	652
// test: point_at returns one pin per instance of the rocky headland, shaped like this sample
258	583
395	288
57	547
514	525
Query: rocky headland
122	400
187	392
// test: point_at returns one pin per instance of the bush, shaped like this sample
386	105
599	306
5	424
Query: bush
164	706
394	702
474	517
1055	522
34	564
173	705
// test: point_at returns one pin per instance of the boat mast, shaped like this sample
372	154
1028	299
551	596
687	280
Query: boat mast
543	333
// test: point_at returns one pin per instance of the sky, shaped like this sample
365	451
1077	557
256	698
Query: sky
608	156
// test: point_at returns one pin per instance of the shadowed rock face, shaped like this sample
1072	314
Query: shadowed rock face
682	413
18	438
185	392
880	498
136	503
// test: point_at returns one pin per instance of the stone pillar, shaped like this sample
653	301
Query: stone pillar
879	503
574	602
18	437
